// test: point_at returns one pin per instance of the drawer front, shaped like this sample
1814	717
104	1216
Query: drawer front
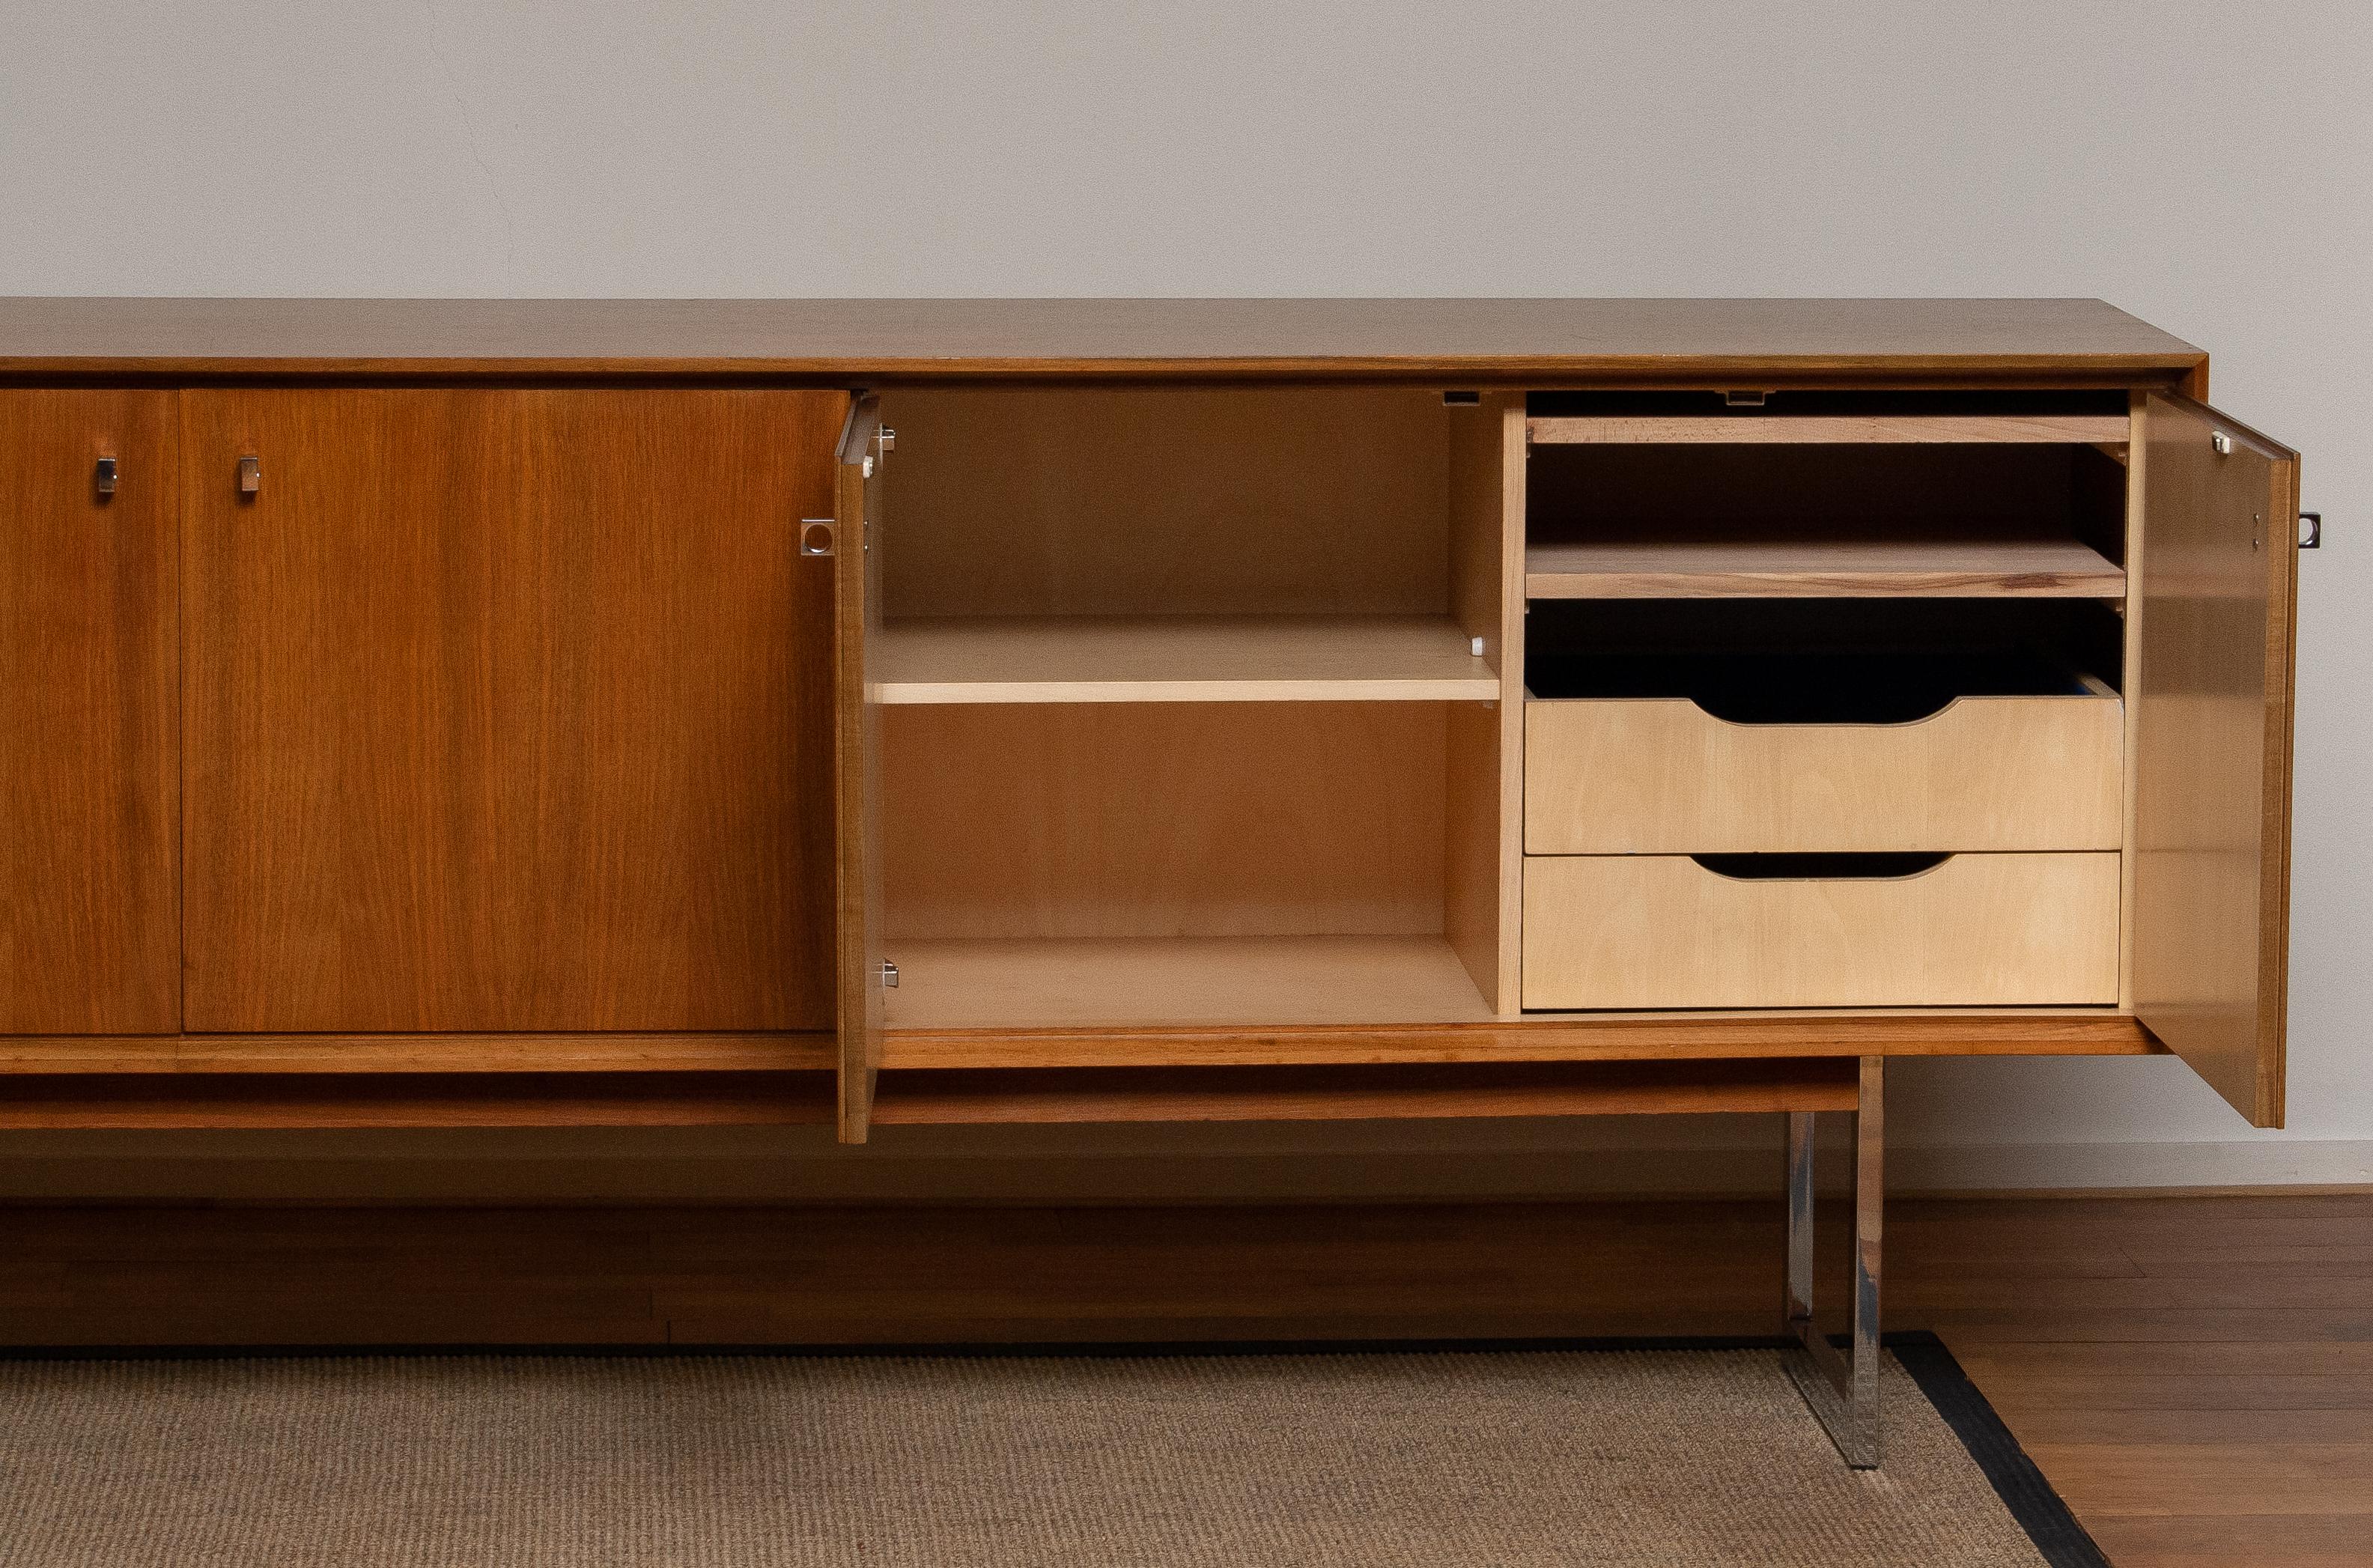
1661	775
1659	931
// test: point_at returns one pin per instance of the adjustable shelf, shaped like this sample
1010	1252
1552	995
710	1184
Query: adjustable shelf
1727	569
1835	430
1065	659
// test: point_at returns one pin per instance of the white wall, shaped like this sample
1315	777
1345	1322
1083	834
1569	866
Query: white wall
2204	165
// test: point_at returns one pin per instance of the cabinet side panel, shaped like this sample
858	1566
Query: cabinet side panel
89	665
1478	894
1515	484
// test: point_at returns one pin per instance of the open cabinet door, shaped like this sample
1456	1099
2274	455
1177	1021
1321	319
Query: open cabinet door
2218	571
857	626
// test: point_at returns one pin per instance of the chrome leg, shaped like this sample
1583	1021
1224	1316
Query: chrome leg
1841	1387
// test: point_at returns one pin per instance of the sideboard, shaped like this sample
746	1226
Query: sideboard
481	712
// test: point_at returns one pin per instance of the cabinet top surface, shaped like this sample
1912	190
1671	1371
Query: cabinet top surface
1539	342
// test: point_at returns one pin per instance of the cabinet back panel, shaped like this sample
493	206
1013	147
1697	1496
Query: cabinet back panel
1165	819
90	662
1776	635
508	710
1096	502
1912	492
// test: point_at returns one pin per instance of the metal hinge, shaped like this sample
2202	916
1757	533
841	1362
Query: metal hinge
889	975
819	536
2310	531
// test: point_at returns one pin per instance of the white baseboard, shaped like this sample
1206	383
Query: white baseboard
2286	1162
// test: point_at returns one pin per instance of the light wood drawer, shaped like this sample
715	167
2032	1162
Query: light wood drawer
1653	775
1657	931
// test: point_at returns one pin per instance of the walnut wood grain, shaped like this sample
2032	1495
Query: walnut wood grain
90	670
182	1100
507	709
1725	343
451	1053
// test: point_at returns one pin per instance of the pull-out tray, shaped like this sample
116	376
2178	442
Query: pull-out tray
1665	931
1765	755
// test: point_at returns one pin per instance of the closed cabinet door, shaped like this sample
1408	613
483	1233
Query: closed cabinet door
507	709
89	785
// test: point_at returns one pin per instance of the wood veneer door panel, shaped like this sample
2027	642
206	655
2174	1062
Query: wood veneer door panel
860	544
2212	689
507	709
89	661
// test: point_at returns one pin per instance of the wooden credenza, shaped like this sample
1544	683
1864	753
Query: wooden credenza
482	712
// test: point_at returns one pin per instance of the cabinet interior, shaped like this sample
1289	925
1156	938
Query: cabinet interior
1177	699
1949	496
1823	661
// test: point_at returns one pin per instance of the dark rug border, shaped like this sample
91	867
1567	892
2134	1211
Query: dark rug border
2038	1509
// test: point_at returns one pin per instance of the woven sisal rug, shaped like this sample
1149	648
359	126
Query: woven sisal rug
1363	1458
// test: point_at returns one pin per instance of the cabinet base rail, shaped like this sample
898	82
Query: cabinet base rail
1841	1386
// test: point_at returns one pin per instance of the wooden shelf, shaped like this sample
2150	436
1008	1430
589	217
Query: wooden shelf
1762	429
1182	982
1182	659
2050	569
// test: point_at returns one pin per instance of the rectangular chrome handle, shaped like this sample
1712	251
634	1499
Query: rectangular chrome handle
250	476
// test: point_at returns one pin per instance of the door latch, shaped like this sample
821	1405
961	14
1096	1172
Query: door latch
2310	531
889	975
103	477
819	536
250	476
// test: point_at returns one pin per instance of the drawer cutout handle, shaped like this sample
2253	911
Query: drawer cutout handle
1900	867
1796	687
1900	715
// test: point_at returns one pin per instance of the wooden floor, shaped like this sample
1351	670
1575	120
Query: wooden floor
2194	1375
